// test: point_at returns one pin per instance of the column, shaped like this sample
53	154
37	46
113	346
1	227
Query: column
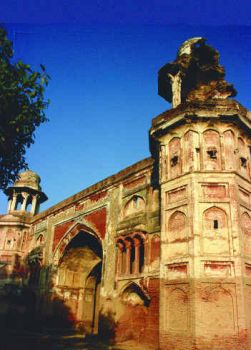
9	205
119	258
14	201
137	244
25	199
128	257
34	204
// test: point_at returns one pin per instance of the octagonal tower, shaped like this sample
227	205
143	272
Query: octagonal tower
202	146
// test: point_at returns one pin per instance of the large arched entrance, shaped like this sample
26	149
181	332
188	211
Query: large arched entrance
78	279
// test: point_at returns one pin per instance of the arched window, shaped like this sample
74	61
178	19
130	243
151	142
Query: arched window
174	150
139	253
134	205
214	219
212	154
191	154
243	157
130	254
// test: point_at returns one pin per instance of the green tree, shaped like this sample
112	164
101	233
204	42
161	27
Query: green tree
22	109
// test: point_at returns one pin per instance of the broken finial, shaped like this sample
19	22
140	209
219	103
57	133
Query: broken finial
194	75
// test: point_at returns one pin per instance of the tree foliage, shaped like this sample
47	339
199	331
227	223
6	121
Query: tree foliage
22	109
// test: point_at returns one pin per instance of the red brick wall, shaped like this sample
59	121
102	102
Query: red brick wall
139	322
60	231
155	249
98	219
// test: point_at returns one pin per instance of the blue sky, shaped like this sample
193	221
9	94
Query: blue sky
103	58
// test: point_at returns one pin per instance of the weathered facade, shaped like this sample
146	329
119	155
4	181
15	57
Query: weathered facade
163	248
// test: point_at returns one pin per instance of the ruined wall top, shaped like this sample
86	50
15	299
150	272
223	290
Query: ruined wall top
195	74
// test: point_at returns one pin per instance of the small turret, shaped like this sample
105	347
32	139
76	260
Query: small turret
25	195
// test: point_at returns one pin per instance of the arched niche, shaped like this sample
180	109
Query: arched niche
217	310
246	230
191	151
215	235
177	221
211	150
177	225
133	314
178	310
214	219
229	150
132	294
243	157
11	240
177	231
174	151
134	205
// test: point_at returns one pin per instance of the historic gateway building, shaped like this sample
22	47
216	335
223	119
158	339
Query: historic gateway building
161	250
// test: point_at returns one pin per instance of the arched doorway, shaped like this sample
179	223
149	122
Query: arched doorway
78	279
133	314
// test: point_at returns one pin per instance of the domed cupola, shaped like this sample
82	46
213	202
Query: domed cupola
25	195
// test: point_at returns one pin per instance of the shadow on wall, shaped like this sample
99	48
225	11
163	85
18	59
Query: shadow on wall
18	311
106	333
20	320
25	307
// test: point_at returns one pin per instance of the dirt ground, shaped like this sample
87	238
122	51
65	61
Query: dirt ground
36	341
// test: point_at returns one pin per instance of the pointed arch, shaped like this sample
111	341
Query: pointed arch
246	223
211	150
78	269
246	231
174	151
178	309
71	233
190	147
135	204
218	309
133	294
214	218
229	149
177	221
